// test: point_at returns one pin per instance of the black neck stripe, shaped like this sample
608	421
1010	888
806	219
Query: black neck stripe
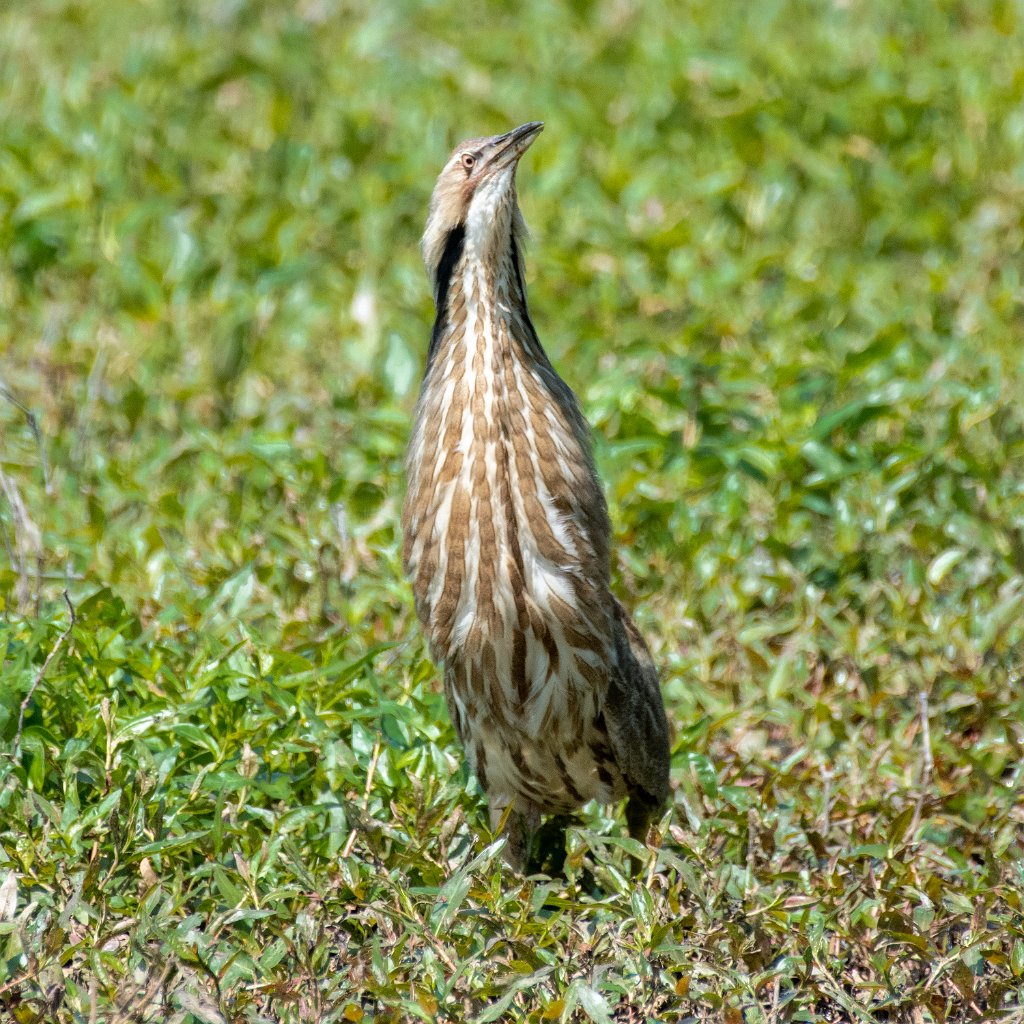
453	247
517	262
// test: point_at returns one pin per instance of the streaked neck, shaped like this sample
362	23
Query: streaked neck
480	297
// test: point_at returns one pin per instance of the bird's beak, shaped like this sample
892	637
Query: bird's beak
508	148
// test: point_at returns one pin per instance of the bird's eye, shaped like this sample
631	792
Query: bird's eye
468	161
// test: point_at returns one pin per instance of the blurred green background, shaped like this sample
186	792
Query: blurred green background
777	253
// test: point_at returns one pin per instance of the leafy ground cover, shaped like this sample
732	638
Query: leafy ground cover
778	254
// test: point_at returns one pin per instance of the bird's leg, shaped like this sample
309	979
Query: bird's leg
640	812
520	825
550	844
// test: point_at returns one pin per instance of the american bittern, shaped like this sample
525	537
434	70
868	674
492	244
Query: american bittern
551	688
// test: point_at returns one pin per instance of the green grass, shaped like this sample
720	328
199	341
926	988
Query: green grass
777	253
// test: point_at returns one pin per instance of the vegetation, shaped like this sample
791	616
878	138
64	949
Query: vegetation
777	253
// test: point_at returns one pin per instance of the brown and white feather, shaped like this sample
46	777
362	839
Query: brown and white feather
506	531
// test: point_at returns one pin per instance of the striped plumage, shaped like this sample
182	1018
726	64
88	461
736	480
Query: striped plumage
551	688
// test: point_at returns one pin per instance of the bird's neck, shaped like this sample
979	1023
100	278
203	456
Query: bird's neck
492	288
482	313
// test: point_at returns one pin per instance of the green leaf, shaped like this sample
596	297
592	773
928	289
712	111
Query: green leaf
455	890
942	564
594	1005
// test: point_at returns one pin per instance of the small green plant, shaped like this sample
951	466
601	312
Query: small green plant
787	237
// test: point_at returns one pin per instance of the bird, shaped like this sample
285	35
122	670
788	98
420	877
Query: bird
552	691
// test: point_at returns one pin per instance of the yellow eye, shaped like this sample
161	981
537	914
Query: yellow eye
468	161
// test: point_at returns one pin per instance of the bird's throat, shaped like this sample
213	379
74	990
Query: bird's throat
482	320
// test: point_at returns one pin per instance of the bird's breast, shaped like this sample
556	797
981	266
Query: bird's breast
505	529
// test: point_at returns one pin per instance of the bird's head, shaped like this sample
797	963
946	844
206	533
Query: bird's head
475	196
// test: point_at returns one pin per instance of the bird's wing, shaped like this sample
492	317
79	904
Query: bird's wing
635	714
